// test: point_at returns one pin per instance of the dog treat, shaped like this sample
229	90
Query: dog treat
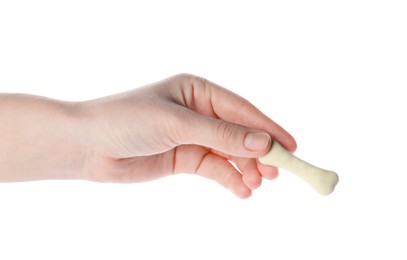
323	181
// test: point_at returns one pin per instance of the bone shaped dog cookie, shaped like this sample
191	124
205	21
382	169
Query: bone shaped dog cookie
323	181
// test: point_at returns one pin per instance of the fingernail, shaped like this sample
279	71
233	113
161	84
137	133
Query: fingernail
256	141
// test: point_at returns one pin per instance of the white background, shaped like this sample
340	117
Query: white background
333	73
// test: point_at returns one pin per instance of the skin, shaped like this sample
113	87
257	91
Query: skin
183	124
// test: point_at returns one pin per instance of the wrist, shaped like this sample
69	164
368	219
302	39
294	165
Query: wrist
41	139
65	139
79	140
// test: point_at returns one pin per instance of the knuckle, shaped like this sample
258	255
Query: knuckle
185	77
199	82
227	132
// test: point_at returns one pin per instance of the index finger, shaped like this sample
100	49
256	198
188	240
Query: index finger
210	99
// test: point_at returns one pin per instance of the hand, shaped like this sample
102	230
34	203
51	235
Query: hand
183	124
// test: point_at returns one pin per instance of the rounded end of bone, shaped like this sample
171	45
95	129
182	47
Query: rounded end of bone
327	185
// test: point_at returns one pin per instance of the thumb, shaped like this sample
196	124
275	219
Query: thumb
226	137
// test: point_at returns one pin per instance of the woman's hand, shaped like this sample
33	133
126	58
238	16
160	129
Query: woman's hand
183	124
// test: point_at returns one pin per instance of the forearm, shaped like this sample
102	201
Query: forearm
40	139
